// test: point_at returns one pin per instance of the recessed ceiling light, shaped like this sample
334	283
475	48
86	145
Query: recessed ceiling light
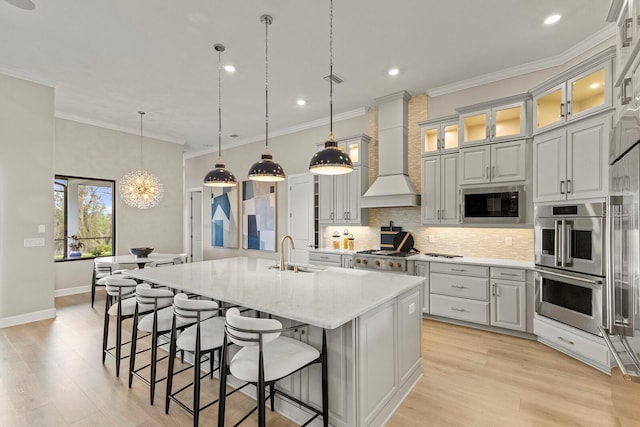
394	72
229	68
22	4
552	19
594	85
301	102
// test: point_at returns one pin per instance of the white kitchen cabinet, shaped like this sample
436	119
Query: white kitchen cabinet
572	162
422	269
301	225
583	346
626	15
581	91
439	135
501	162
498	120
440	189
508	298
339	197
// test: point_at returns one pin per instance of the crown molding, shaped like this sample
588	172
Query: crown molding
110	126
601	36
358	112
23	75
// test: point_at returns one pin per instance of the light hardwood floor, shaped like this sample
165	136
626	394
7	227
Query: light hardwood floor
51	375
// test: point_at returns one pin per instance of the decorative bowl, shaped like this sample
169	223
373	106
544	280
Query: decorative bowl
140	252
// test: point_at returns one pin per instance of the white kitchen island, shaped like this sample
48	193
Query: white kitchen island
373	322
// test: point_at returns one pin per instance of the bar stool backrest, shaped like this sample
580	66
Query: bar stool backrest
119	286
247	331
194	310
145	294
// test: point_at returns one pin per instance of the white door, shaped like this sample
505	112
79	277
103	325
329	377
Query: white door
449	190
301	208
549	166
195	225
475	165
508	161
508	304
587	167
326	197
431	190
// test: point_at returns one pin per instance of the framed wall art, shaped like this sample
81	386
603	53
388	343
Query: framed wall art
225	217
259	215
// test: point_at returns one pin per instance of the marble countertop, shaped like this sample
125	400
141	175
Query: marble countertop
496	262
328	297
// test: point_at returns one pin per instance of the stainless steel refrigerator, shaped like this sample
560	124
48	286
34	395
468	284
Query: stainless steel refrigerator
621	328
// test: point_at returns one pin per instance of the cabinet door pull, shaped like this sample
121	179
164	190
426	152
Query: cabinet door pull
438	214
562	109
458	269
561	187
457	286
568	108
331	216
494	290
568	186
625	85
488	176
566	340
457	309
509	274
626	38
488	132
493	172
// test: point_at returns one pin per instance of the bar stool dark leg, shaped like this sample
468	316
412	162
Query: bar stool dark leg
261	398
134	341
105	332
325	381
223	383
118	336
196	379
154	356
172	356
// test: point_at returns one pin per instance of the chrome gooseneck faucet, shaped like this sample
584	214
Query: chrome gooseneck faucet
293	246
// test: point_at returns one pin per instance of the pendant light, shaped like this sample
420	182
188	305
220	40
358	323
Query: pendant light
330	160
220	176
141	189
266	169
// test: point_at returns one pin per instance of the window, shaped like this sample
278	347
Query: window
84	218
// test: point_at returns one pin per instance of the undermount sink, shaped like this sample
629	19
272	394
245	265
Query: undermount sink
301	268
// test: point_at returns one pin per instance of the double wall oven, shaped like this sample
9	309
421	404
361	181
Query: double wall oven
570	258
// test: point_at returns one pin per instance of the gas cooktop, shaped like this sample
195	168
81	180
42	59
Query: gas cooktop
384	253
438	255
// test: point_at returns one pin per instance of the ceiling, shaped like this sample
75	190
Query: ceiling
109	59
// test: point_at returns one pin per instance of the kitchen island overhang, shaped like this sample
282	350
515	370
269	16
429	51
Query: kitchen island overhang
373	322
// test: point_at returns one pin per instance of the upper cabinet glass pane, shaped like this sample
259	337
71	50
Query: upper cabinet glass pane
475	128
549	108
354	152
451	136
588	92
431	140
508	122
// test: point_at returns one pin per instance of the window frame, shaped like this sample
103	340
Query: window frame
66	257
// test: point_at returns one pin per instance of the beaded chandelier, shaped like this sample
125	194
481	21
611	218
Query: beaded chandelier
141	189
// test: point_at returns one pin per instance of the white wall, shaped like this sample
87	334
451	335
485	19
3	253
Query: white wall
26	200
90	151
293	152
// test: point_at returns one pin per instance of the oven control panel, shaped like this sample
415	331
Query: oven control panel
365	262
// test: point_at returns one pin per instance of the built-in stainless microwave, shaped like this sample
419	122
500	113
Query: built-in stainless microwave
493	205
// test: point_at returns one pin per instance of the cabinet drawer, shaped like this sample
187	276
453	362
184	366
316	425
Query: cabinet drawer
461	269
508	273
574	343
460	286
459	308
325	258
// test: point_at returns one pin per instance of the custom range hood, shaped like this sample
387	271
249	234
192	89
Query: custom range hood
392	188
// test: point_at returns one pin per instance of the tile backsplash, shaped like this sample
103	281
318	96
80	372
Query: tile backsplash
471	242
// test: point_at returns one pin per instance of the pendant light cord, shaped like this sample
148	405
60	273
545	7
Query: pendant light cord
141	141
331	70
267	21
219	103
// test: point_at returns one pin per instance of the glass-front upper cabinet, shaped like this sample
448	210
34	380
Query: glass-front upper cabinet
579	92
356	146
439	135
499	120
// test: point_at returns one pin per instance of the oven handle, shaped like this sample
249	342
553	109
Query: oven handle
556	243
567	276
567	253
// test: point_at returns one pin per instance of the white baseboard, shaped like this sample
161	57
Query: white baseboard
27	318
71	291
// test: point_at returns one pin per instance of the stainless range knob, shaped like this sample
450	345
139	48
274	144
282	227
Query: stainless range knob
364	261
377	262
357	260
398	264
390	263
